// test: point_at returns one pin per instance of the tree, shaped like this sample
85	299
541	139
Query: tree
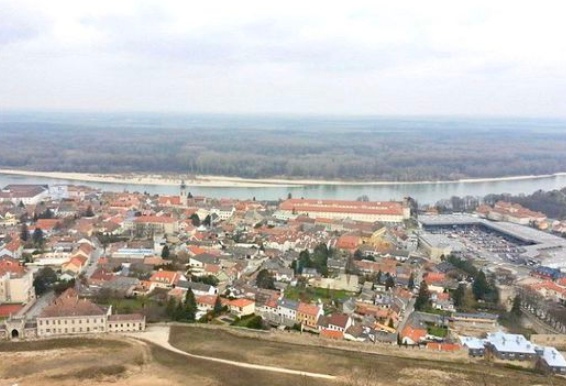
289	196
411	283
423	298
218	308
171	307
363	198
516	308
44	280
24	233
89	212
195	219
208	279
304	261
480	287
38	238
165	252
265	280
190	306
389	283
179	313
358	255
207	221
458	296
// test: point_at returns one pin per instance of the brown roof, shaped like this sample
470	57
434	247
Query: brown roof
338	319
339	206
69	304
125	317
155	219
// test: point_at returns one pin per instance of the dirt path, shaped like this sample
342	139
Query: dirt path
159	335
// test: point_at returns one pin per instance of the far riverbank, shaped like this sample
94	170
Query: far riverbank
231	182
219	187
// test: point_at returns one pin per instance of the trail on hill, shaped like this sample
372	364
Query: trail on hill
159	335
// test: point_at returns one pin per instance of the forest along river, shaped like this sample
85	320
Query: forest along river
424	193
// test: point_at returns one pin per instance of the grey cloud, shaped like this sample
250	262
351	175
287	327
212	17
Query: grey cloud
19	24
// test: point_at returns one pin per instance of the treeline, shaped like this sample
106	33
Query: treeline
551	203
427	151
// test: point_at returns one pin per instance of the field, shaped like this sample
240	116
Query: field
310	294
124	362
353	368
130	362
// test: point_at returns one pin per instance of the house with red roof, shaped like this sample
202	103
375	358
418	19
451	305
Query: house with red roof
165	279
241	307
412	335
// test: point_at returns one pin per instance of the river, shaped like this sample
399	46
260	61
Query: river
424	193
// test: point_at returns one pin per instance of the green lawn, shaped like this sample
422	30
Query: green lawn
310	294
437	331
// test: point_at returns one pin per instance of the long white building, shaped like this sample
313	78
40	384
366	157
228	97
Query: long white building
367	211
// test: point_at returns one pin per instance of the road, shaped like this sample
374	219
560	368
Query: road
159	335
93	263
538	325
39	305
408	311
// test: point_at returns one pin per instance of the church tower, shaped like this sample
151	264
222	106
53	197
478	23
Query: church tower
183	193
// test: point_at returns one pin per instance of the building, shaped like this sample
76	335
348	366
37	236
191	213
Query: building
241	307
152	224
475	346
16	283
372	211
510	346
551	361
224	212
26	194
308	314
69	315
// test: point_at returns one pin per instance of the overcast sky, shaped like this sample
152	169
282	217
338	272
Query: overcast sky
496	57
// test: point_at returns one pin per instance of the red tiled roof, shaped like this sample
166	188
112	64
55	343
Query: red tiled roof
308	309
415	334
9	309
169	277
331	334
241	302
46	224
443	346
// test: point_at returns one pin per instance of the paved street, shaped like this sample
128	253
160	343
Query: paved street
39	305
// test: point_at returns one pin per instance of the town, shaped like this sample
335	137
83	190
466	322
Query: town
75	260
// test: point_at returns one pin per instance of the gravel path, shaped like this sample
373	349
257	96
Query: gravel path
159	335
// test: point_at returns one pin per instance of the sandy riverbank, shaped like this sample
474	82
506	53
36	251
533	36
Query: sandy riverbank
233	182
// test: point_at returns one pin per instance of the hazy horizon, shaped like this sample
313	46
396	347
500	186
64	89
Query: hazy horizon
363	58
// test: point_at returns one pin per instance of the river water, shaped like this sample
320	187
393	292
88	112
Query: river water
424	193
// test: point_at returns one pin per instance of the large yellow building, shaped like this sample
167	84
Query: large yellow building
69	314
367	211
